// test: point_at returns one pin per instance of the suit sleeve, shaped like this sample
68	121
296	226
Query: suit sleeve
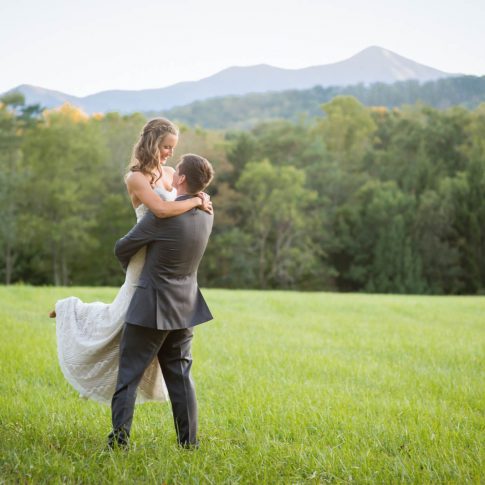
140	235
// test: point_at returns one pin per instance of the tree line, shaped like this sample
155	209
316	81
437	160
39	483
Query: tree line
356	199
245	112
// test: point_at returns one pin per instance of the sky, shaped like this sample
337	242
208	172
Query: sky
84	47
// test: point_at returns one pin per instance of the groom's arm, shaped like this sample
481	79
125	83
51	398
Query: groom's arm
140	235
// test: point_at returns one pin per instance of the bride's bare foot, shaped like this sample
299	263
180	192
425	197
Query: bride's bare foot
52	314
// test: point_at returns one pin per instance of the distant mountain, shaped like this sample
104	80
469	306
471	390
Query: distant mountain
371	65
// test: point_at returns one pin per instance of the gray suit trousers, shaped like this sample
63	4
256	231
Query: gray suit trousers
139	345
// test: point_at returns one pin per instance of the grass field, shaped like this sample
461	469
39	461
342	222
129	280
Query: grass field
292	388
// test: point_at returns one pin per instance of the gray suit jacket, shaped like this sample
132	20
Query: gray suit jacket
167	296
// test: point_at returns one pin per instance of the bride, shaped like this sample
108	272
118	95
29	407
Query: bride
88	334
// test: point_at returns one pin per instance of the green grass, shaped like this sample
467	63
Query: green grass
292	388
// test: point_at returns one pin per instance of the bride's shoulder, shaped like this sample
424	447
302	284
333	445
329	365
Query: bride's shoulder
136	179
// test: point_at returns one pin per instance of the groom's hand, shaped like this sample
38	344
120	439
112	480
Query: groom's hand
206	204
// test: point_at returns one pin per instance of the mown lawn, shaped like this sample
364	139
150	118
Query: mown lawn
292	388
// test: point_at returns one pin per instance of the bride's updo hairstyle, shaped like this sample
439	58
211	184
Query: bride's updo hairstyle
146	152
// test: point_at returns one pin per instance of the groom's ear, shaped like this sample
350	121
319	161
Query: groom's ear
181	179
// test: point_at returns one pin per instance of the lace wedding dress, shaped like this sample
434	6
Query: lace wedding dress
89	334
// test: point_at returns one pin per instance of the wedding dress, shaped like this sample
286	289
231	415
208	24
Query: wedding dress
89	334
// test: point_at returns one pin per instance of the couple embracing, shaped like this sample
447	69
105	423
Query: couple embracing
138	348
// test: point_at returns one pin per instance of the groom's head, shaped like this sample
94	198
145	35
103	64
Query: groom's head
193	174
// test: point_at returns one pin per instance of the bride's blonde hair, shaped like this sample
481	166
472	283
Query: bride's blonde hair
146	152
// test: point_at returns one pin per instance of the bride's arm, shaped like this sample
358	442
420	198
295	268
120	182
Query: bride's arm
139	186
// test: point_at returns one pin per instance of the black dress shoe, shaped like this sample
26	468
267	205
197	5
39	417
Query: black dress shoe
119	438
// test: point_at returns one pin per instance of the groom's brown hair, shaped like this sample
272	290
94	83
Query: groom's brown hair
197	170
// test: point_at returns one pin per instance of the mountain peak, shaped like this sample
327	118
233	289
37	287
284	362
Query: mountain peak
375	51
374	48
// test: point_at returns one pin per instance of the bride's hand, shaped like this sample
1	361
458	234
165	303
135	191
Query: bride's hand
206	202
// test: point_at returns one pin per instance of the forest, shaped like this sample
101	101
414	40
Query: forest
355	199
245	112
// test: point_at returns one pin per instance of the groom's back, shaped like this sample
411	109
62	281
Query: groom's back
179	246
167	296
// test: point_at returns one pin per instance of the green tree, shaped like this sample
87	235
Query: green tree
468	190
15	120
63	158
437	242
230	260
112	209
347	131
377	252
277	214
241	150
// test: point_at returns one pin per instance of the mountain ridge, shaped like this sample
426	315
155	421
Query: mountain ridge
372	64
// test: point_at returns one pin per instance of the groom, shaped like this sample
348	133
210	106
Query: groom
167	304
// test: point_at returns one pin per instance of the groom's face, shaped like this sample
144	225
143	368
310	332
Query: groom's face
177	178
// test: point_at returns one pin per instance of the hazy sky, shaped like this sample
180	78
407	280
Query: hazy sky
93	45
